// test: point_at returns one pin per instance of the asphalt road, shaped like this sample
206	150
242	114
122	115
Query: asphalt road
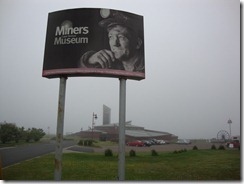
13	155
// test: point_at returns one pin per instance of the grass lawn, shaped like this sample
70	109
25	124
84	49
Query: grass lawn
201	165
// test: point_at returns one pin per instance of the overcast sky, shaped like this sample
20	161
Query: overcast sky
192	57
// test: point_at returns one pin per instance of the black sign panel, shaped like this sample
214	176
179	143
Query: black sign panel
94	42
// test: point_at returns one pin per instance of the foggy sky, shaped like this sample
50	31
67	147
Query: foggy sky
192	58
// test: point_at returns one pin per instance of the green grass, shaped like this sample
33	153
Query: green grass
191	165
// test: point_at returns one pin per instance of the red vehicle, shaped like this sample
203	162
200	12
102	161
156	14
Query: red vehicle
233	144
135	143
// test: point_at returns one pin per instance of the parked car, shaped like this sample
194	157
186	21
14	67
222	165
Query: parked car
161	142
154	141
233	144
146	143
166	142
135	143
183	141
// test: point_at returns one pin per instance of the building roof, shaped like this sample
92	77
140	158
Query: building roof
143	133
90	130
135	131
127	125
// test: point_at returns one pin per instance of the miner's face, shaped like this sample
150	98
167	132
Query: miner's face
120	42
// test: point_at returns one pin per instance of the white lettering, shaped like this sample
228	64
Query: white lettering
59	31
85	30
69	31
67	41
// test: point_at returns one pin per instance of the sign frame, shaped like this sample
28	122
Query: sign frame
73	34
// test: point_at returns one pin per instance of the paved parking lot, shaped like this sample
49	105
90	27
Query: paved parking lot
13	155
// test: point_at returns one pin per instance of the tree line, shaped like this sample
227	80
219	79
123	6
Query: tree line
10	132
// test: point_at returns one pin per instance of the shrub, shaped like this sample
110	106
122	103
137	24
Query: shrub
154	153
213	147
81	143
180	151
132	153
90	142
87	142
10	132
195	147
108	153
221	147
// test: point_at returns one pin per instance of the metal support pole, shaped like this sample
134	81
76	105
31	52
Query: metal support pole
122	110
92	124
1	171
229	122
230	130
60	127
94	116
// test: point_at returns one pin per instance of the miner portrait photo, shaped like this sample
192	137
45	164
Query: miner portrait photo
126	52
94	42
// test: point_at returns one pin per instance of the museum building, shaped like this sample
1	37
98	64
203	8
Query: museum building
110	131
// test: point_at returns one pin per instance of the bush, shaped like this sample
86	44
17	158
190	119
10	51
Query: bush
154	153
221	147
8	132
180	151
87	142
195	147
108	153
90	142
213	147
81	143
132	153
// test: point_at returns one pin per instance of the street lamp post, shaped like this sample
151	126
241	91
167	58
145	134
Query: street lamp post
230	122
94	116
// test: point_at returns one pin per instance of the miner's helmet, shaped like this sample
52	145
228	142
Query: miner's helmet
129	20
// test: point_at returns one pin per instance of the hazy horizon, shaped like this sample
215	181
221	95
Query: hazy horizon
192	57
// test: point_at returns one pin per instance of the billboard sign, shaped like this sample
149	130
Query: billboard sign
94	42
